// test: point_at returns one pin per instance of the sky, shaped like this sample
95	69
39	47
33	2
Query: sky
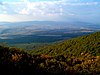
50	10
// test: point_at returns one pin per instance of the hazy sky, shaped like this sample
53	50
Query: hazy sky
50	10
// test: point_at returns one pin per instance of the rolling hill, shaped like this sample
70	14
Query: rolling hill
78	56
84	44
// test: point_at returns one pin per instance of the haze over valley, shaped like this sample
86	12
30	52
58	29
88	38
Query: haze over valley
41	31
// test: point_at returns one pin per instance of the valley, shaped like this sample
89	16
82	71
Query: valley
77	56
49	37
27	35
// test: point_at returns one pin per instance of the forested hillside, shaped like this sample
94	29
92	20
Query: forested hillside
79	46
78	56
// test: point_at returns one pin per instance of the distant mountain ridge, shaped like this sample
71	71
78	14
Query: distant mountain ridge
26	23
10	31
30	27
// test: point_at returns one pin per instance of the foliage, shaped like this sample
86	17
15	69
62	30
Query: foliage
80	46
79	56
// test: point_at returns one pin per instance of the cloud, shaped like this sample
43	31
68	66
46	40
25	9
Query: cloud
24	11
26	7
19	17
1	3
5	17
71	14
83	4
43	10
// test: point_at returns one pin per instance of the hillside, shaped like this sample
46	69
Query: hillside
75	47
78	56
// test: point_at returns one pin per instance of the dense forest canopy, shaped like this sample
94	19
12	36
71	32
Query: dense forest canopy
74	47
